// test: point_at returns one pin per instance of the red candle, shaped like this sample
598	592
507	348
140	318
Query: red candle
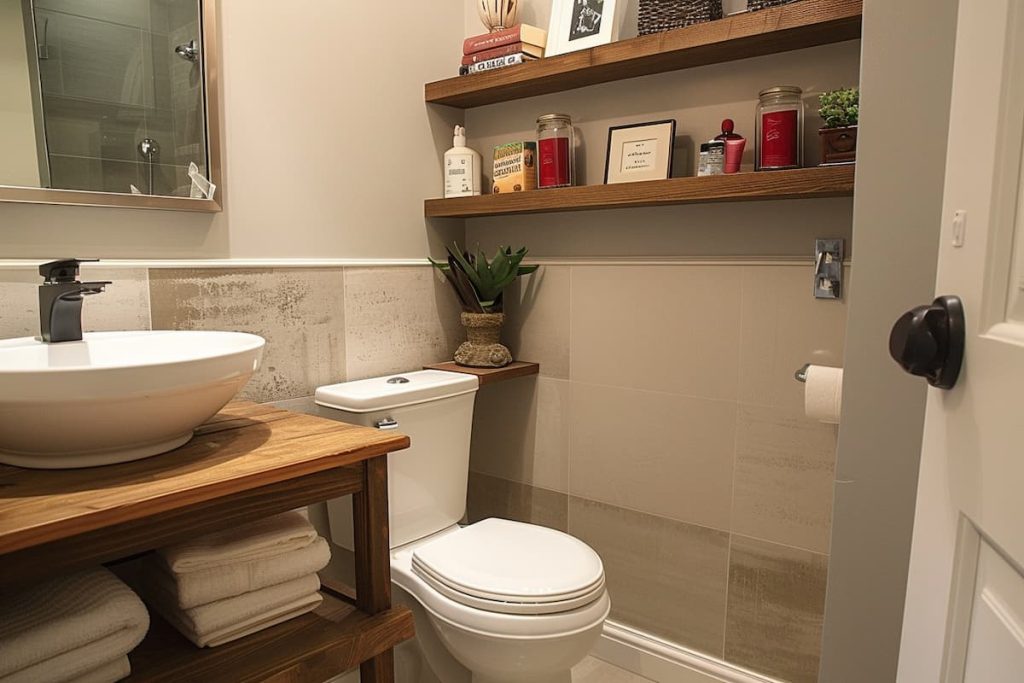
554	162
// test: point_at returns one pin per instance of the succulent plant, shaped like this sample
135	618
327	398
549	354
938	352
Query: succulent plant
840	107
478	282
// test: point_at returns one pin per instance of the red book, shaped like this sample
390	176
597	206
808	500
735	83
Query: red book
520	33
504	51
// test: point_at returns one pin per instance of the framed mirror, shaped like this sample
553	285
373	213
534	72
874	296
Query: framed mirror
110	103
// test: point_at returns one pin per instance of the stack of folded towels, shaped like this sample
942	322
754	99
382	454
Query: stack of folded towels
74	628
226	585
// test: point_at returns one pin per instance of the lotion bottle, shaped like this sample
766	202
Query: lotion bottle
462	168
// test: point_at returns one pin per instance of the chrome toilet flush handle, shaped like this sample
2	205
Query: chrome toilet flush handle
386	423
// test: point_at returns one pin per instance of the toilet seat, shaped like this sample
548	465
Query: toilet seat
511	568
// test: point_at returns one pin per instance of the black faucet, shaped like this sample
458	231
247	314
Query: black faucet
60	300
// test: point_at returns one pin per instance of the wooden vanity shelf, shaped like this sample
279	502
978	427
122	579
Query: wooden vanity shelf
752	34
248	461
490	375
804	183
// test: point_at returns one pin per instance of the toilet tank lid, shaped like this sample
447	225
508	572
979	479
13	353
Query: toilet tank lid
395	391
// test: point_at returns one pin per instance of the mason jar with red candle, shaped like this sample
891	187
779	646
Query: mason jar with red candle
556	151
780	129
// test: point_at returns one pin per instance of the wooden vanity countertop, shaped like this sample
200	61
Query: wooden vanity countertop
243	448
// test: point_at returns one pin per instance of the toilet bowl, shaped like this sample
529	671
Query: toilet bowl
546	605
497	601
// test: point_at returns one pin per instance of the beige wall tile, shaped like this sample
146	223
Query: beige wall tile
776	607
784	326
663	328
124	306
300	312
785	470
658	453
494	497
664	577
537	320
398	319
521	432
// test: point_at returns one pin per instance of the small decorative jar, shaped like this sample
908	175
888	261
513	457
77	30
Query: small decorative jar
780	129
556	151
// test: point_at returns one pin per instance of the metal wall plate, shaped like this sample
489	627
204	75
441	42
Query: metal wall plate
828	269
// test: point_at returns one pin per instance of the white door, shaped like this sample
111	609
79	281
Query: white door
964	618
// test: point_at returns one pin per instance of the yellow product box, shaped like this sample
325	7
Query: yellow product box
515	167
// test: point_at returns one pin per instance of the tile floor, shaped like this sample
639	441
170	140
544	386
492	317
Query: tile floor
593	670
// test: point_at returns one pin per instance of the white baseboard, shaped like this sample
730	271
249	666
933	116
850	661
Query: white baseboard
666	662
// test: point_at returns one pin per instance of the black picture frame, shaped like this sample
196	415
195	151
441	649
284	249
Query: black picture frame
647	124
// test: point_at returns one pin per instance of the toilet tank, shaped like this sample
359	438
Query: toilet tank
426	482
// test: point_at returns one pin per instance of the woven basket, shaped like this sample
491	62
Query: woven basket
664	15
754	5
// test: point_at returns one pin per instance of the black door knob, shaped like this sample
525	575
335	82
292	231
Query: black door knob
928	341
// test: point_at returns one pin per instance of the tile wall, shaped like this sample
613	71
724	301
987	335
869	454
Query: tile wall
667	431
322	325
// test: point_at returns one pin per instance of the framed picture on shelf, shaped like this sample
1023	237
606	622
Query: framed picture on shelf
640	151
580	24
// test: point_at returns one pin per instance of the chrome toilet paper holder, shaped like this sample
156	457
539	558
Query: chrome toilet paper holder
801	374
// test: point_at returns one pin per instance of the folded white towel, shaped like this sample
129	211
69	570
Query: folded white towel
192	589
257	540
66	627
224	620
108	673
278	615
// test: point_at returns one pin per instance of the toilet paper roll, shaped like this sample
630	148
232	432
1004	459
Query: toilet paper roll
823	394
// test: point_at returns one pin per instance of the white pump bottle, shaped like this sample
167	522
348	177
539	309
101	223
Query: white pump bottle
462	168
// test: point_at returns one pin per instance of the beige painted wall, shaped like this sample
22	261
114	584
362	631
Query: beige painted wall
330	147
20	162
883	409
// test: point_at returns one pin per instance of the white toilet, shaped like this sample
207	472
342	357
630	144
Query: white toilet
496	601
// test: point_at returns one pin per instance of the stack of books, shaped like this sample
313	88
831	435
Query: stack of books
516	45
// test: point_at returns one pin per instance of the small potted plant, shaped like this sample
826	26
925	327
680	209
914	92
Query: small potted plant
840	110
479	283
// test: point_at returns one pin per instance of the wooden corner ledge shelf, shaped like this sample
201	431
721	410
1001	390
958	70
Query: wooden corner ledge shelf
752	34
804	183
248	461
490	375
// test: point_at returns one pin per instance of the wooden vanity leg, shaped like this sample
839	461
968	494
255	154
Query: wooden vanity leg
373	559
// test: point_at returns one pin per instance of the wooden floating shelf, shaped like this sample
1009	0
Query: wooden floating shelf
752	34
490	375
804	183
317	646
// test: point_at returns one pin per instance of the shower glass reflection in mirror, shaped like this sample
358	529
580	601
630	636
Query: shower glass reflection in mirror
103	96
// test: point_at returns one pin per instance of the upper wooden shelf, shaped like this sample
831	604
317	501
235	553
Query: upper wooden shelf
245	448
804	183
490	375
752	34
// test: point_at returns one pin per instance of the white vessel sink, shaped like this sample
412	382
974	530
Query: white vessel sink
115	396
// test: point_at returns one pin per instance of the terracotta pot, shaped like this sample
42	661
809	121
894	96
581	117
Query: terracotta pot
838	145
483	348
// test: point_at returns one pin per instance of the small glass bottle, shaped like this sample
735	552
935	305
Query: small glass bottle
556	151
780	129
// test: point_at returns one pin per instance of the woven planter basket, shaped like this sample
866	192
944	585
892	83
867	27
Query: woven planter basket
754	5
664	15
